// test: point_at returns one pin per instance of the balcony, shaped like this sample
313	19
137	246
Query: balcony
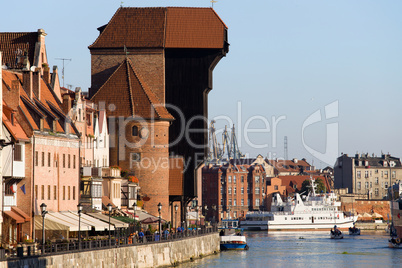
10	201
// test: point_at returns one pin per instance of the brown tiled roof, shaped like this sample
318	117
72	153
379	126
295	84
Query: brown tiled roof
170	27
13	43
130	96
15	129
290	180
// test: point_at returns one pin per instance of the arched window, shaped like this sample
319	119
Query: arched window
134	131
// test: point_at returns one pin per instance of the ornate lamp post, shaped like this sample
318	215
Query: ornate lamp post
196	222
109	208
205	212
79	208
159	210
44	212
175	215
134	208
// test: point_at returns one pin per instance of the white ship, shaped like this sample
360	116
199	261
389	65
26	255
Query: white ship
314	211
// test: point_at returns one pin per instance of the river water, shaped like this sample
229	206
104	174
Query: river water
307	249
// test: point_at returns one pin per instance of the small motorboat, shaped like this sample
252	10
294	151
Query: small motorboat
354	231
232	239
336	233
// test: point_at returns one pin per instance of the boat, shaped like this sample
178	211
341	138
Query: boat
354	231
231	237
395	193
336	233
314	211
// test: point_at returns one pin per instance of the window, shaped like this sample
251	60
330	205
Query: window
234	202
257	202
242	178
64	192
229	179
230	201
74	161
42	188
48	192
276	187
68	192
242	190
69	161
230	190
257	179
382	174
234	190
36	191
366	174
43	159
55	192
64	160
386	174
257	190
366	184
18	152
248	190
371	184
134	131
221	190
234	179
376	180
242	202
393	174
36	158
386	185
376	191
358	174
359	185
48	159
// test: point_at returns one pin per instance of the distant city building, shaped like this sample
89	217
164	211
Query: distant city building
368	175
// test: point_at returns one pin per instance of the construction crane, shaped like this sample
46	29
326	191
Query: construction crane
215	153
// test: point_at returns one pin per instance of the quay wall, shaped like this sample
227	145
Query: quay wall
147	255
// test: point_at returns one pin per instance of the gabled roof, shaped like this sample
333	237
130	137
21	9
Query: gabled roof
162	27
130	96
14	45
14	127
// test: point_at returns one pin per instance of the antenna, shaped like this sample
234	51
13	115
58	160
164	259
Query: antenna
62	70
285	147
213	1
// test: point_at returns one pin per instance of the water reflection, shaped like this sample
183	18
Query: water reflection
307	249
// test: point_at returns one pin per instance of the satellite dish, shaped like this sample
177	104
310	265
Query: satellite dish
33	68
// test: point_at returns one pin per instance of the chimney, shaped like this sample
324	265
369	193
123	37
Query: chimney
27	82
66	104
36	82
15	93
46	73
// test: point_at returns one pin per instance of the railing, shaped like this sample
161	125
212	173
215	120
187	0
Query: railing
115	242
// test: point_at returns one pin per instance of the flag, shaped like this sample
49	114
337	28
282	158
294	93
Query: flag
23	189
12	189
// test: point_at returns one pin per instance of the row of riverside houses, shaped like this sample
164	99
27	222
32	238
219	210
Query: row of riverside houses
151	71
242	185
55	144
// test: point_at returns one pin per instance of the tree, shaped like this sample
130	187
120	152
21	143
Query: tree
306	187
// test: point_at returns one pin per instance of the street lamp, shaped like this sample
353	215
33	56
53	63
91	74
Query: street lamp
214	209
109	208
175	215
134	207
79	208
196	222
44	212
159	210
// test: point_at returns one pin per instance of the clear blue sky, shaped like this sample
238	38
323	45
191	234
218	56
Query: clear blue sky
288	58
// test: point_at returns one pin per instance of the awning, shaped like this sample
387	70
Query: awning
116	223
97	224
49	225
15	216
106	201
21	213
70	222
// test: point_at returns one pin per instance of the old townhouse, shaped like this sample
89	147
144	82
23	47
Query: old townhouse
367	175
51	156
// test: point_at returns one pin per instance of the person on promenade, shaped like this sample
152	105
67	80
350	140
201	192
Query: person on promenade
148	235
156	236
165	234
141	236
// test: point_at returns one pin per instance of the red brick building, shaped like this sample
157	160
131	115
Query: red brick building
148	64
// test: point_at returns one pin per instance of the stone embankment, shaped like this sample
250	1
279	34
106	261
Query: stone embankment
147	255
